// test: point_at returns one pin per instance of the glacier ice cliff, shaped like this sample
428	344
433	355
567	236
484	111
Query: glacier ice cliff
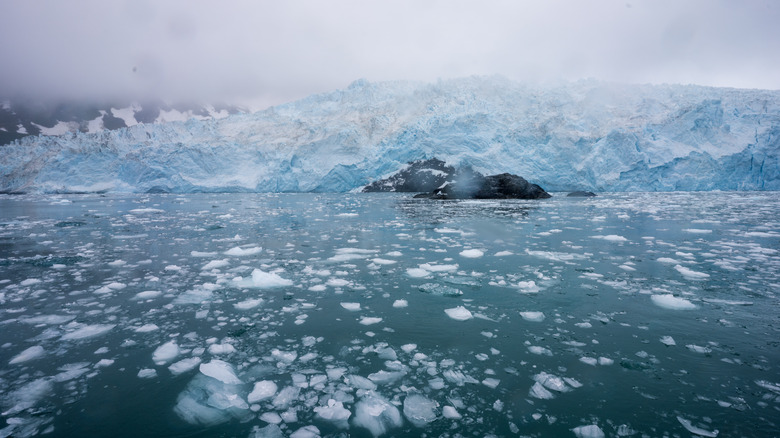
578	136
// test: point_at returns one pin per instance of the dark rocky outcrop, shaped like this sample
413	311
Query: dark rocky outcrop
580	194
440	181
477	186
418	176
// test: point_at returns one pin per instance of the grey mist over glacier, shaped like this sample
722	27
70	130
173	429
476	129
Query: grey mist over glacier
584	135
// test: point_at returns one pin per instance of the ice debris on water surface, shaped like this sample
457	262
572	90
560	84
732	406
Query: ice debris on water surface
589	431
262	279
221	371
472	253
696	430
335	413
210	399
34	352
459	313
165	353
669	301
532	316
374	413
419	409
88	332
241	252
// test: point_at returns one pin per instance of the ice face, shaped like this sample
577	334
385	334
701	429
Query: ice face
589	135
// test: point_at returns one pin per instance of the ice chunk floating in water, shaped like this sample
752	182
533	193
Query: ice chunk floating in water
669	301
459	313
319	334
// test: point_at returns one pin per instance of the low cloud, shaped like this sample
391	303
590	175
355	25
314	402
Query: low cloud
271	52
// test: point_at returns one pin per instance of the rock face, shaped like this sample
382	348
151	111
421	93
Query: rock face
476	186
580	194
417	176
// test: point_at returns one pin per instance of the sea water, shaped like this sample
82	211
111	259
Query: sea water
243	315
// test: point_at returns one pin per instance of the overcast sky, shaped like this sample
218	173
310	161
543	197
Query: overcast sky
271	52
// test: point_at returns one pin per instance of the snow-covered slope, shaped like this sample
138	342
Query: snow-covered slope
584	135
24	117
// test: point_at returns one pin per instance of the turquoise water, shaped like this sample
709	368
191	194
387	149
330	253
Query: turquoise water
364	314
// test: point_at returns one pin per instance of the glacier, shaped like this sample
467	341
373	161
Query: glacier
585	135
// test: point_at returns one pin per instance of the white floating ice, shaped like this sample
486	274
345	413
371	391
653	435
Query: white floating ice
248	304
611	238
224	348
400	304
241	252
419	410
25	397
540	392
589	431
417	272
89	331
375	413
184	365
451	413
147	373
472	253
459	313
533	316
352	307
165	353
146	295
691	274
696	430
146	328
438	268
669	301
384	261
369	320
215	264
668	260
309	431
146	210
34	352
261	279
668	340
535	349
551	381
263	390
335	413
221	371
699	349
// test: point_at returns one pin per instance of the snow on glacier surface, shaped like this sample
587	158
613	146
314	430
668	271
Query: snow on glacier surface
583	135
107	317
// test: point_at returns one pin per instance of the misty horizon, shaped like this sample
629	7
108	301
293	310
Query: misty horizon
265	54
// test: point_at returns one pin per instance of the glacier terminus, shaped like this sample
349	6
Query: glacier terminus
585	135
